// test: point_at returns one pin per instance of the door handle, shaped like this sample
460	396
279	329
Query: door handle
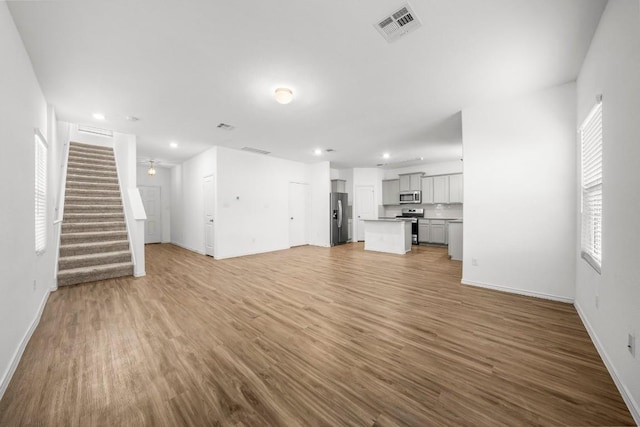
210	220
291	217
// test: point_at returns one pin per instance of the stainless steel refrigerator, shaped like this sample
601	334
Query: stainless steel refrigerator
339	220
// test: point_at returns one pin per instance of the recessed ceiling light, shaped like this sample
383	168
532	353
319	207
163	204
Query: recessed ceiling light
385	155
98	116
284	95
173	144
317	152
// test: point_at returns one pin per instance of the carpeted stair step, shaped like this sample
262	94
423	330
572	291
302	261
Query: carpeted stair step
92	185
92	236
93	248
111	173
78	155
88	148
91	192
103	166
94	273
92	208
87	260
81	227
73	217
72	177
84	200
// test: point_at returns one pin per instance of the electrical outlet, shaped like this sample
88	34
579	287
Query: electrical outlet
597	301
631	344
474	262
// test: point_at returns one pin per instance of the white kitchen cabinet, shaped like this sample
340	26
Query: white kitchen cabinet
441	189
455	188
391	192
427	190
437	231
338	186
410	182
423	231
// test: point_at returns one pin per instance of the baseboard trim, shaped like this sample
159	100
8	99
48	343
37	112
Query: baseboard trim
632	405
15	360
140	274
518	291
188	248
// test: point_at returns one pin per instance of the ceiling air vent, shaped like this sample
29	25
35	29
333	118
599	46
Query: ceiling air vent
225	126
255	150
329	150
95	131
398	23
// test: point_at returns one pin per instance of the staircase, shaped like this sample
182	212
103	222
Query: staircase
94	244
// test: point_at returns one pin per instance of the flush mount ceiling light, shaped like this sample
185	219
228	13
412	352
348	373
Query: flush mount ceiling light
98	116
173	144
317	152
151	171
284	95
385	155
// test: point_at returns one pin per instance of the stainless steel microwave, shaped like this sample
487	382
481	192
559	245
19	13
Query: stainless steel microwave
414	197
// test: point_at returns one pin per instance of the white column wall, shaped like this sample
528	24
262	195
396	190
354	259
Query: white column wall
521	153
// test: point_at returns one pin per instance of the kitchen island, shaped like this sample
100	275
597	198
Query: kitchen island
387	235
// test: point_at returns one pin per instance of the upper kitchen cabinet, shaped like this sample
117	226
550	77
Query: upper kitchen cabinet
390	191
441	189
455	188
427	189
338	186
410	182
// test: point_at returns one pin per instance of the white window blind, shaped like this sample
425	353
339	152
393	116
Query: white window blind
40	193
591	143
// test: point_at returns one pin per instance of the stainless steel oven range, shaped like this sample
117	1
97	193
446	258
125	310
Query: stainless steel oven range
413	215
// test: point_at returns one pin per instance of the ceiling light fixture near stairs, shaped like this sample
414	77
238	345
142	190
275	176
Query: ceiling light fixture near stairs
151	171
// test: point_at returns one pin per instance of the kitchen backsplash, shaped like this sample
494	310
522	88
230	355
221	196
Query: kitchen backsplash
430	211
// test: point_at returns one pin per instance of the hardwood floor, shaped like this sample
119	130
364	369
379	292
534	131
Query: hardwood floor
304	337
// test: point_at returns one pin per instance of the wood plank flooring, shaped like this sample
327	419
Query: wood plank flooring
307	337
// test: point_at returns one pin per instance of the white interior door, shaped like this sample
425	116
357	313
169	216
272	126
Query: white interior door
298	210
209	202
365	208
152	202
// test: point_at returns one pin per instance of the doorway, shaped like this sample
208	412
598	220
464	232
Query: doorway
299	198
208	190
152	202
365	208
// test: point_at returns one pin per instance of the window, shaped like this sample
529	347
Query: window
591	143
40	193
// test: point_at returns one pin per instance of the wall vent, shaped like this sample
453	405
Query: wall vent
225	126
255	150
95	131
398	23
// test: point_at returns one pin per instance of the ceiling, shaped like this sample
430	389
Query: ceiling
184	67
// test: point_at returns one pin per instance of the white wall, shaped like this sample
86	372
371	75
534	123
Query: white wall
187	202
318	176
26	279
161	179
521	153
251	201
612	68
